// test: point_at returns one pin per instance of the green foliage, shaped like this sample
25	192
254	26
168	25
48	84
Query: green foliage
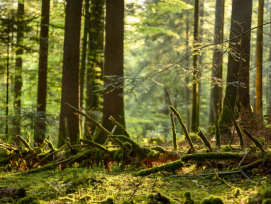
28	200
267	201
188	198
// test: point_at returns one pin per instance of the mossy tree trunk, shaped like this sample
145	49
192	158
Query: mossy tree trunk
195	102
113	104
95	56
42	80
216	92
84	51
18	74
70	76
237	90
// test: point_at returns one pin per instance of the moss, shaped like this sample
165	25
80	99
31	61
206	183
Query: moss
267	201
183	126
172	167
50	145
204	140
226	148
217	135
109	200
212	200
236	192
6	200
188	198
267	194
208	156
159	149
28	200
94	144
26	144
125	139
254	140
119	126
98	157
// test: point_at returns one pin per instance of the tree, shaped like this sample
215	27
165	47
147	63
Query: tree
237	90
195	102
84	51
42	77
70	78
216	91
113	104
18	73
259	59
96	51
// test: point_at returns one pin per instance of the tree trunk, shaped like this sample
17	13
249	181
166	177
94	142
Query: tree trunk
113	104
269	73
42	80
84	51
237	90
96	44
18	74
195	102
216	92
259	59
70	78
187	90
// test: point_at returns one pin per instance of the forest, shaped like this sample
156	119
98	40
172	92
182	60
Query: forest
135	101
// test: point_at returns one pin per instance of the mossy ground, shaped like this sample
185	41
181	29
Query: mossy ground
79	185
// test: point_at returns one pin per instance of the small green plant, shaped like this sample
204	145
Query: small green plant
188	198
212	200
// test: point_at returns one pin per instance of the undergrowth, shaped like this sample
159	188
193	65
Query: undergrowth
79	185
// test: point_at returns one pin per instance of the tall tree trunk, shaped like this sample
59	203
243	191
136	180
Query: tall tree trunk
113	104
259	85
70	78
42	80
237	90
195	102
269	73
200	57
84	52
18	74
96	43
187	90
216	92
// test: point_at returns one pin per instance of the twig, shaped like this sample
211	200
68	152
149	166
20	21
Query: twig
208	174
92	120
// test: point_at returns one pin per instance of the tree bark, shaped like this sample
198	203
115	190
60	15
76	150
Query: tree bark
113	104
259	59
269	74
187	90
18	74
216	91
195	102
70	78
237	90
84	51
96	44
42	80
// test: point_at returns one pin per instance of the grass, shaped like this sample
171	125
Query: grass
79	185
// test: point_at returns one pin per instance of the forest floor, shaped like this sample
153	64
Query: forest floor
81	185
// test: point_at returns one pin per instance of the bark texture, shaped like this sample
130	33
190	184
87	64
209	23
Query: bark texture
216	92
42	80
70	77
96	44
84	51
237	90
195	102
18	74
113	104
259	59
